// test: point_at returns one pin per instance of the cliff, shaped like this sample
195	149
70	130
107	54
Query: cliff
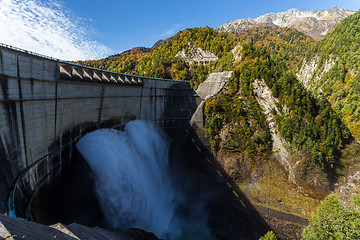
313	23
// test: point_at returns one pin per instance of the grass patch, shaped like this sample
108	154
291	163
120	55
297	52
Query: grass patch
273	190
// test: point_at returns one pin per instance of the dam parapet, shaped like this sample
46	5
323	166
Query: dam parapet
46	105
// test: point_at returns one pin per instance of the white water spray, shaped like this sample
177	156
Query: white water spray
131	177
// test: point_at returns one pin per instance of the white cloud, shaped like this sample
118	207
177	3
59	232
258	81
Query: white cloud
47	28
171	31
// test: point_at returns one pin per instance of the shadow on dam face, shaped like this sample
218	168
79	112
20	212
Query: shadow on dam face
69	198
208	193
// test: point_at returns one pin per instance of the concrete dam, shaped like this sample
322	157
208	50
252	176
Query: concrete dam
47	105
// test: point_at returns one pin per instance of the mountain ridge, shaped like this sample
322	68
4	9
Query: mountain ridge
313	23
266	124
331	69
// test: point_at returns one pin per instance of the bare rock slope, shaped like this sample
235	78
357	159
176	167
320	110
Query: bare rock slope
313	23
268	102
195	54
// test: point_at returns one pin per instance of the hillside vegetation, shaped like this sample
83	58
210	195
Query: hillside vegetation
162	63
124	62
335	220
311	125
341	84
315	126
287	45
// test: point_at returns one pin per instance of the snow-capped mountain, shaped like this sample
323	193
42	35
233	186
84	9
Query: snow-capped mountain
313	23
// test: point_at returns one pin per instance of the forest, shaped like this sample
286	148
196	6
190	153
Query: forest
319	126
311	126
341	84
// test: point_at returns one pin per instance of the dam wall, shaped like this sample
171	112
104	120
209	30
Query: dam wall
46	105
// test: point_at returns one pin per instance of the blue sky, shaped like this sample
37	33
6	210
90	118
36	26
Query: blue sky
125	24
100	28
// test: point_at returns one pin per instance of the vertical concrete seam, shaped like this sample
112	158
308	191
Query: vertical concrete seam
141	98
55	120
22	116
55	109
101	105
155	117
2	62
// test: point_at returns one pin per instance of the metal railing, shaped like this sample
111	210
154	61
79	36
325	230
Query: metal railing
20	178
29	52
84	66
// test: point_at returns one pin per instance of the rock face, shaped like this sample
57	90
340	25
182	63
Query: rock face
196	55
158	44
313	23
242	25
267	102
308	74
351	187
237	52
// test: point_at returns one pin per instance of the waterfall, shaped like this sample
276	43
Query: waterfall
131	177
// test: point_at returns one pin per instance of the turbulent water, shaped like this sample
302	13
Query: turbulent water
131	177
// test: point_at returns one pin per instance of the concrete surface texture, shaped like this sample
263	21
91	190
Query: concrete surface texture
17	228
209	88
46	105
213	84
